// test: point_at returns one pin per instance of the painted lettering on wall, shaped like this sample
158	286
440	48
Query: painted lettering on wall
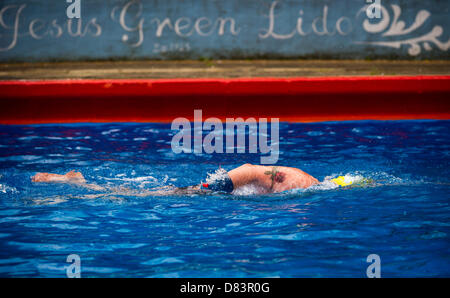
134	28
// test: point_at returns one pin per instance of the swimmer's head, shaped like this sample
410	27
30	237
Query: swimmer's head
351	180
342	181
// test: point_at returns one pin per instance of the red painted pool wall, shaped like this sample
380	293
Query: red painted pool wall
290	99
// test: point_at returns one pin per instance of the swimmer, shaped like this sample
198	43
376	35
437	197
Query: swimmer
267	179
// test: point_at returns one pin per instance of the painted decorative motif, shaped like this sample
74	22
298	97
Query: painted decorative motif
397	28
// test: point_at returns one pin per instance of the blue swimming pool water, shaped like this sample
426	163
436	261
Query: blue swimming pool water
404	217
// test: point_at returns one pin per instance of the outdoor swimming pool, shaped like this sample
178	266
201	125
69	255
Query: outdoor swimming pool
404	217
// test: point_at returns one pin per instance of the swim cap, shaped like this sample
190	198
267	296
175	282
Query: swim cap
342	181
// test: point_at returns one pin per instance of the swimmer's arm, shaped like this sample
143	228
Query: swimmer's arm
78	179
263	176
71	177
272	178
243	175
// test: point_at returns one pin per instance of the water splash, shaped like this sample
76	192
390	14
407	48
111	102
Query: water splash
249	190
217	175
8	189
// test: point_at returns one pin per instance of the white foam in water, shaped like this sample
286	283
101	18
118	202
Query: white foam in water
136	179
248	190
138	182
6	189
379	178
110	131
217	175
327	184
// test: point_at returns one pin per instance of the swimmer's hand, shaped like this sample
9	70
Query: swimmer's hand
70	177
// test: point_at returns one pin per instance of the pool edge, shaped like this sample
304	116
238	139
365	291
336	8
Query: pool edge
301	99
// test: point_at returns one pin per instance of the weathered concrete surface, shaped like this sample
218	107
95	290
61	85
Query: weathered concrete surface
218	69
